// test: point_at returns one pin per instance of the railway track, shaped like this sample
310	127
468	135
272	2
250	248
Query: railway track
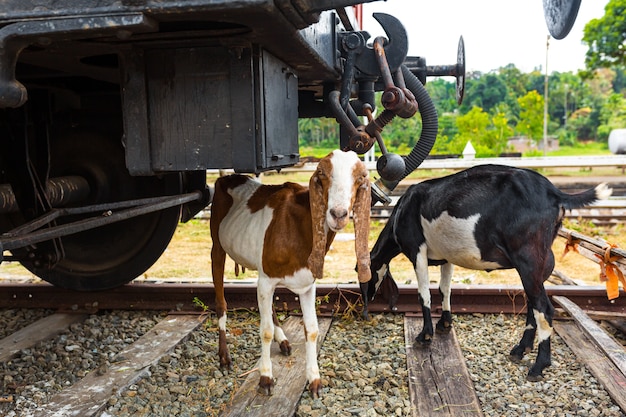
602	213
607	213
438	381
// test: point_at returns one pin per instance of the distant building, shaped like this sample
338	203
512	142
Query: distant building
524	144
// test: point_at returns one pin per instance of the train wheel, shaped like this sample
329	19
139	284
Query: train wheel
112	255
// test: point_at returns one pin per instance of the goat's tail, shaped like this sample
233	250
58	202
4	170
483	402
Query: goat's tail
572	201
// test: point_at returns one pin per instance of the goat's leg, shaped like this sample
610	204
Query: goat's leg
543	313
421	271
279	335
444	325
390	290
218	258
525	345
311	330
539	316
385	249
364	286
265	294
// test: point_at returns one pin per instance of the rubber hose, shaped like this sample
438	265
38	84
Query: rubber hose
430	126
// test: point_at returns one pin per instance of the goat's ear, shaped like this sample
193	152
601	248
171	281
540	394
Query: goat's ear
318	213
361	215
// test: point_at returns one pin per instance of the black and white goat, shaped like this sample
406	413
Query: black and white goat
284	232
485	218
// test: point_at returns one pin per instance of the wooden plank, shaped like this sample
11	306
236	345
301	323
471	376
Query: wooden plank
289	372
602	368
590	247
34	333
90	394
439	383
602	339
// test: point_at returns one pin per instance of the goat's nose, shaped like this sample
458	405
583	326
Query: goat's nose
338	213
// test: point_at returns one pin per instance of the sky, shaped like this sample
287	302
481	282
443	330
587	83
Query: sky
495	32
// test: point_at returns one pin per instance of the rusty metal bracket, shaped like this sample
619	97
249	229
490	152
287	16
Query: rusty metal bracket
396	47
397	99
363	65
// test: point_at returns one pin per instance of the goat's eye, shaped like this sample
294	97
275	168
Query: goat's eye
321	174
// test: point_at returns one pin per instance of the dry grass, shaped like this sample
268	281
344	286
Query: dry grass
188	256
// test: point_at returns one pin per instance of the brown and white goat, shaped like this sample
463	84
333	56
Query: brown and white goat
284	231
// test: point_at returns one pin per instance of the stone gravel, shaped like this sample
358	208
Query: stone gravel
37	373
568	388
363	368
12	320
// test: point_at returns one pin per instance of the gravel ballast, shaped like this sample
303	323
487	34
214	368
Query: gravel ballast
363	366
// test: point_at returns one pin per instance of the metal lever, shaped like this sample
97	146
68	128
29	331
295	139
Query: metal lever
390	166
397	99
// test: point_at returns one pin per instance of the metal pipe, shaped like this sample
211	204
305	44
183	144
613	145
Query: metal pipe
60	191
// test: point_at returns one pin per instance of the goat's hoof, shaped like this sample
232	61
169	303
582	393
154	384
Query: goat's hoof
535	373
226	364
315	388
423	341
266	386
443	328
285	347
518	353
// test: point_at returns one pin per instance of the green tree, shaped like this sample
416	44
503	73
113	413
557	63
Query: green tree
562	96
487	134
531	115
443	93
535	81
516	83
448	131
485	92
579	126
612	116
596	92
402	134
605	37
318	131
501	131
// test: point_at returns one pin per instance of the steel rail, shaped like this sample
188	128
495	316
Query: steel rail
332	298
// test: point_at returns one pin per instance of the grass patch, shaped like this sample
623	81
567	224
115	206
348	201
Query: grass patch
582	149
